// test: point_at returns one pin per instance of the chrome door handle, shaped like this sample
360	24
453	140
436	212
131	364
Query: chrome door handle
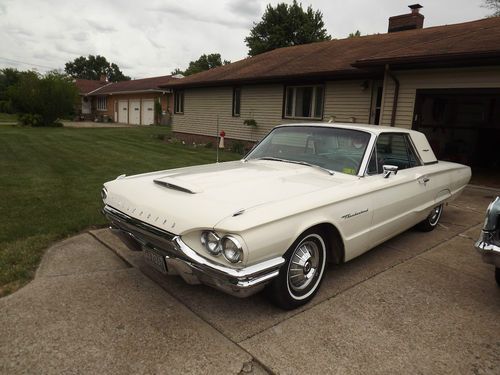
423	180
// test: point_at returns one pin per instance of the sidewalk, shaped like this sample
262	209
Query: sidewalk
420	303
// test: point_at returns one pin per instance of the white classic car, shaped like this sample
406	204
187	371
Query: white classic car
306	195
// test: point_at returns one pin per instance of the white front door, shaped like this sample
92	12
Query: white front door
135	112
86	106
148	112
123	111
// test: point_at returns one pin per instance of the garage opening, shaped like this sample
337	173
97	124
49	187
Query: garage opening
463	125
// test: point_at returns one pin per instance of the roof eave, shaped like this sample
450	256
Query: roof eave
165	90
450	59
314	76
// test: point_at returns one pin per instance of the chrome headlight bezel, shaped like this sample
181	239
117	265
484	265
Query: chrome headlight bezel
211	242
104	193
237	249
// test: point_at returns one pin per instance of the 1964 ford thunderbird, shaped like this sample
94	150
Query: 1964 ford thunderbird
306	195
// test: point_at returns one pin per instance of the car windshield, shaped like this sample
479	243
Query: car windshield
330	148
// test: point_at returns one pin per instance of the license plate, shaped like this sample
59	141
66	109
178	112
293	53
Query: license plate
155	259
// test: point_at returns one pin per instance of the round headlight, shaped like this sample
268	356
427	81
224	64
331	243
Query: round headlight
104	193
211	242
232	250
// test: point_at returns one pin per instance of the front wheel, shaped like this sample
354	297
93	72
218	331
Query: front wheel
301	275
432	220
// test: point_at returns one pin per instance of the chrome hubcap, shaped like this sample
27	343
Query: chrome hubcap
435	214
303	266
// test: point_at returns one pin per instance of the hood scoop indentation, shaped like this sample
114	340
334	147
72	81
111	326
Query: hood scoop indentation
173	184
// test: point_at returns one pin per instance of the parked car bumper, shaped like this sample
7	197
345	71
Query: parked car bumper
488	244
489	250
181	260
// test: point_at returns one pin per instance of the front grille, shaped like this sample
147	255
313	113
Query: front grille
144	233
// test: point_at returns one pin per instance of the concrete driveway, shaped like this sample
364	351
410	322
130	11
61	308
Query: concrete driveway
421	303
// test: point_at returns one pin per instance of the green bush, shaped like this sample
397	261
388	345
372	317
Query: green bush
6	106
49	97
238	147
209	145
30	119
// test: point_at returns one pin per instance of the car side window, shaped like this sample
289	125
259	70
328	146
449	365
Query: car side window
392	149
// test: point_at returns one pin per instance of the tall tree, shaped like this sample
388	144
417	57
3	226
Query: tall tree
494	5
92	67
284	26
354	34
205	62
48	97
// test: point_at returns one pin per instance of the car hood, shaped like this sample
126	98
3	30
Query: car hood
184	199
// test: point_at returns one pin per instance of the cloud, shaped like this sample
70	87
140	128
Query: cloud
81	36
3	10
195	15
245	8
100	27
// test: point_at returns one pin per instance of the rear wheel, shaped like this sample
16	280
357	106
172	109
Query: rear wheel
432	220
300	277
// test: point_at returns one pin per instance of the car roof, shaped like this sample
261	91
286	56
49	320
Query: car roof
374	129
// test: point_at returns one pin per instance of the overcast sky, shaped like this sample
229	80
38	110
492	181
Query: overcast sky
151	38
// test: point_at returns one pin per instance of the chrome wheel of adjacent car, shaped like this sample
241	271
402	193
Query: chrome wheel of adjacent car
432	220
301	276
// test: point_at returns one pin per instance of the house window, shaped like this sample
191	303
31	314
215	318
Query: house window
304	102
102	103
236	101
179	102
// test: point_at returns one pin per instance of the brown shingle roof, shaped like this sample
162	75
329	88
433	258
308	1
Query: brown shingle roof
336	58
87	85
145	84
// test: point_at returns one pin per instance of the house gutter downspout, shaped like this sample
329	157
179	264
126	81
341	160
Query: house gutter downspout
396	94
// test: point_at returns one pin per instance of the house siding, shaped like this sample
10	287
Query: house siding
410	81
345	101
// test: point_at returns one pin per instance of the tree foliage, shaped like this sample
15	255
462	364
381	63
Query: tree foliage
205	62
494	5
284	26
92	67
354	34
8	78
47	97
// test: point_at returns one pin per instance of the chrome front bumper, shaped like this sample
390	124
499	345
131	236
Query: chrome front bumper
488	244
184	261
489	247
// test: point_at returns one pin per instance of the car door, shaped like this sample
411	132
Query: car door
397	199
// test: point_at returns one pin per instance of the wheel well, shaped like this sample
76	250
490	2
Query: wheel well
333	240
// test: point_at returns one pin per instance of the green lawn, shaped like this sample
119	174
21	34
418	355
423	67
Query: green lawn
7	117
50	182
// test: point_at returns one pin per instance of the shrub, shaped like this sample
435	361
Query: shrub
6	106
209	145
30	119
238	147
49	97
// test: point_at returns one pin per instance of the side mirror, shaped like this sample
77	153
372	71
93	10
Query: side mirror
388	169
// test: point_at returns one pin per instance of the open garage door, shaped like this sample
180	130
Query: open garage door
463	125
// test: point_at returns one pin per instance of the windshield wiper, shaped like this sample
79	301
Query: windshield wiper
331	173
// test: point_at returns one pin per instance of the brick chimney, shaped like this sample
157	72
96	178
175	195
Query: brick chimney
410	21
